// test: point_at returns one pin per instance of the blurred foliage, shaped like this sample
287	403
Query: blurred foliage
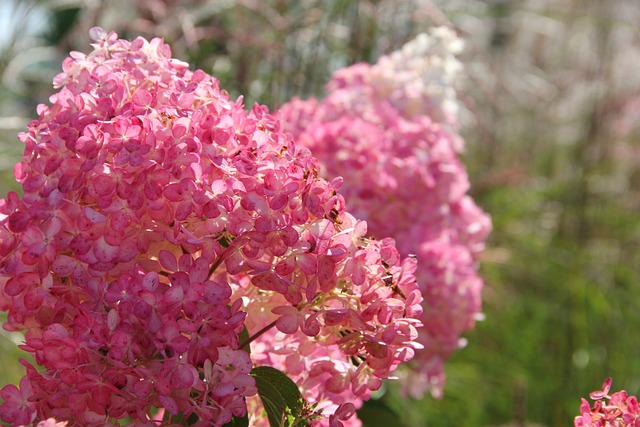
552	125
12	370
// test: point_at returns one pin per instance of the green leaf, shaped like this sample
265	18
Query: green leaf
238	422
280	397
181	419
375	413
243	337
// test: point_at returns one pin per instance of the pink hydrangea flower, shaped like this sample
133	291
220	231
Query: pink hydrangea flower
389	130
17	408
609	410
159	219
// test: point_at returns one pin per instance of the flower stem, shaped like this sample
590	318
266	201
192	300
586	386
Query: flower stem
255	336
214	266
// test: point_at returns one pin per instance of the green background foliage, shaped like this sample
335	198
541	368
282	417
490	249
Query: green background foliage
550	113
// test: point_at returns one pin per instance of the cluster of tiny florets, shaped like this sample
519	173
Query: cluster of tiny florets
609	410
159	221
390	130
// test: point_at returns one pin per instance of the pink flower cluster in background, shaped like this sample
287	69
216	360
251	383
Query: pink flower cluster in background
390	130
609	410
159	219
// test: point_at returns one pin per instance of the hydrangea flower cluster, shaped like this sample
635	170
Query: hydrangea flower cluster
390	130
159	222
325	376
615	410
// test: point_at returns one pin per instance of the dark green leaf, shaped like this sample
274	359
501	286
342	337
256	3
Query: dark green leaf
238	422
243	340
280	397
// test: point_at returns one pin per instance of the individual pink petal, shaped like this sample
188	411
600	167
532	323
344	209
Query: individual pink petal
288	324
103	251
21	282
286	266
151	281
169	404
601	394
142	98
307	263
97	34
175	295
335	317
311	326
271	282
168	260
184	376
215	292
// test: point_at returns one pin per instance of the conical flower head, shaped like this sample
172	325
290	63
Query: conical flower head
156	212
389	129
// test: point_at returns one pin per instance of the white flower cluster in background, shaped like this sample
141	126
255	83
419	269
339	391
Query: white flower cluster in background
425	70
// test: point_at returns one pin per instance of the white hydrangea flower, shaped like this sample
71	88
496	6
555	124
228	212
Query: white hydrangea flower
421	76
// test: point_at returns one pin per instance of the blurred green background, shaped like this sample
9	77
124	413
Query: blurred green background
551	119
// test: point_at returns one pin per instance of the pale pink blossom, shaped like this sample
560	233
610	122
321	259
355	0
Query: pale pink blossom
390	130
